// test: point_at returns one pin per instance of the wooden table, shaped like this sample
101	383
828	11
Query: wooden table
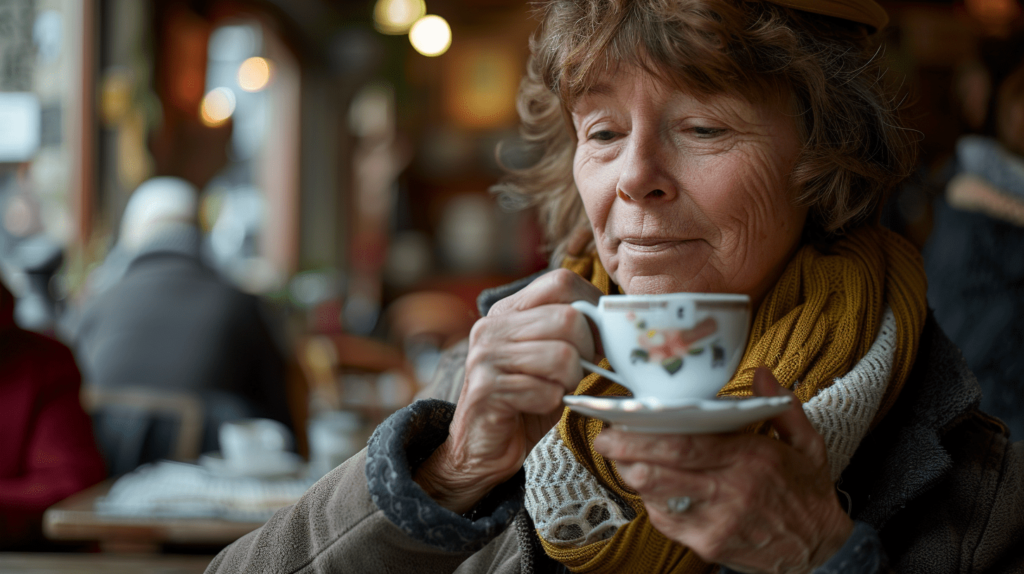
75	518
70	563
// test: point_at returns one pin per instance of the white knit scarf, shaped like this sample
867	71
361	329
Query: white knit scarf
570	507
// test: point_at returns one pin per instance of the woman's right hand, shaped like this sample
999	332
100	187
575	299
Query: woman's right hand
523	357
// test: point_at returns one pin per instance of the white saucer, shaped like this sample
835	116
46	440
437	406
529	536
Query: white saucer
683	416
276	465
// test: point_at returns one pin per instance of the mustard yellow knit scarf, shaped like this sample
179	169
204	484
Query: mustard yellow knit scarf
816	323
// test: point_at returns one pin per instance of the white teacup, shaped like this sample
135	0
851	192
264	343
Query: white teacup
250	445
671	346
334	437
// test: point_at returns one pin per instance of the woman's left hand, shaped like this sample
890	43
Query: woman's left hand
758	504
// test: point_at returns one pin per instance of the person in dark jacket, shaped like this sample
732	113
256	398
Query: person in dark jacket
47	452
975	257
173	324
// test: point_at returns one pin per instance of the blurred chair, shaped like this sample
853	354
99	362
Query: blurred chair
437	316
424	323
419	325
326	360
135	425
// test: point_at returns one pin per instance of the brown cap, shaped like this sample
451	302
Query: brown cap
861	11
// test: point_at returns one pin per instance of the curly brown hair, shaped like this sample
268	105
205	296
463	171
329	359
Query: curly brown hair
856	148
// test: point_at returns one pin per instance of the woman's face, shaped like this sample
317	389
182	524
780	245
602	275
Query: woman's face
686	195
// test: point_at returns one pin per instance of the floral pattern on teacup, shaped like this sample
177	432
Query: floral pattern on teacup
668	347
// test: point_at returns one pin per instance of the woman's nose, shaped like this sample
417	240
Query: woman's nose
645	174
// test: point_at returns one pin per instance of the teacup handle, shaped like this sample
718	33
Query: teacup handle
588	309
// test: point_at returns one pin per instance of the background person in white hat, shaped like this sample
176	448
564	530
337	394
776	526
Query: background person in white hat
169	322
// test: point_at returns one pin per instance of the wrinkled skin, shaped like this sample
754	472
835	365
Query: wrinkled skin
523	357
759	504
683	194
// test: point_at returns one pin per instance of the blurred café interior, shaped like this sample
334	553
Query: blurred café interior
319	171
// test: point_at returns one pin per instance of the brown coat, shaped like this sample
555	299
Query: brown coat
938	479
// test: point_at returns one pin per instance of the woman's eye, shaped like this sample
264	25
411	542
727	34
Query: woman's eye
602	135
706	133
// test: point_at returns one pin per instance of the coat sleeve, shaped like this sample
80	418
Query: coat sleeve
368	515
335	527
973	519
1000	546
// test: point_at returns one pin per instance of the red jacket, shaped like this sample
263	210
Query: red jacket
47	451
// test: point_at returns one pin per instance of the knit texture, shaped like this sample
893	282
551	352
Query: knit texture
843	412
810	328
820	317
571	508
391	463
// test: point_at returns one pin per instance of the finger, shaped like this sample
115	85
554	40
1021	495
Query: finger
547	322
765	384
527	394
693	452
793	426
656	483
555	361
558	286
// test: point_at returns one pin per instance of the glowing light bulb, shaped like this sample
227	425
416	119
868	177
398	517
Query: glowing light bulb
994	13
254	74
431	36
396	16
217	106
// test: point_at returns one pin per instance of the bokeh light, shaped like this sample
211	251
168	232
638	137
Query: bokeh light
431	36
396	16
254	74
217	106
995	14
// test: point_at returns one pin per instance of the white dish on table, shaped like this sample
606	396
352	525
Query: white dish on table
280	464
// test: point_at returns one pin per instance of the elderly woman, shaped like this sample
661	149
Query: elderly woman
708	146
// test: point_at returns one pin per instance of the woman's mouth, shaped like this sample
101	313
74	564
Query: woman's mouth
649	245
